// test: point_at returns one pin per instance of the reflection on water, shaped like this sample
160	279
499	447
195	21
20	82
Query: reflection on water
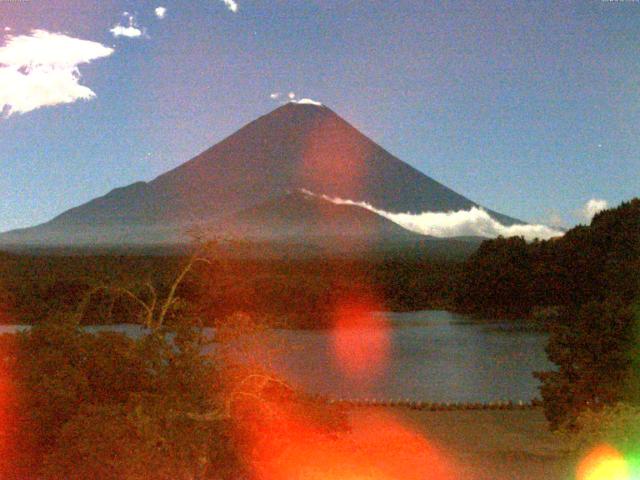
436	356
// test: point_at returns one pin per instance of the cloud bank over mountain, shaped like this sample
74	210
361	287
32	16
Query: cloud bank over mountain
474	222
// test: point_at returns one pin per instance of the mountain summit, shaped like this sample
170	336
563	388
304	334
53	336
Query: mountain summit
297	147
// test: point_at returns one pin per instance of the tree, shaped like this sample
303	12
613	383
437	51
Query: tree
595	340
587	264
107	405
83	405
592	346
496	278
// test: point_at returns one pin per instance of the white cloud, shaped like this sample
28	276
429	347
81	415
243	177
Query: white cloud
130	31
307	101
160	12
592	207
231	5
293	99
41	69
473	222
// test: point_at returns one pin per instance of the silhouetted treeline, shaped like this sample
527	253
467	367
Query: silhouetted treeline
303	294
294	293
584	288
510	277
504	277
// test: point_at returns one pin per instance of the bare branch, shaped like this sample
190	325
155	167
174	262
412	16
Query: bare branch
265	379
114	290
169	301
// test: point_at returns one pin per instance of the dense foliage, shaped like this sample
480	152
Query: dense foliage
108	406
582	287
592	346
508	276
289	292
159	404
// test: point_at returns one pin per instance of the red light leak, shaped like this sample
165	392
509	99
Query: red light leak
360	339
377	448
284	439
7	399
334	160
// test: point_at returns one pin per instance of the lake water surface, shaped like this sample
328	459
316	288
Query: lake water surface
434	356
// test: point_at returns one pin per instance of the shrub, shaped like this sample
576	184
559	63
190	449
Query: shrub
592	345
617	425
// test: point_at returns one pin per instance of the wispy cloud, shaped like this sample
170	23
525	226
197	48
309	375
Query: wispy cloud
307	101
160	12
592	207
130	31
231	5
41	69
293	98
473	222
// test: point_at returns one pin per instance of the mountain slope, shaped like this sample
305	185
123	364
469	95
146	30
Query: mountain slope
294	147
297	216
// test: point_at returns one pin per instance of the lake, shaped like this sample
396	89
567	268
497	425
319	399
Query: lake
434	356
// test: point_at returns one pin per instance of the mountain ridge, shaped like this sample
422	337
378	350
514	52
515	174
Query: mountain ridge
296	146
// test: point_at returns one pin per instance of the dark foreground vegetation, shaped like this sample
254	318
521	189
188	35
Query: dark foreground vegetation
505	277
594	263
78	405
295	293
584	289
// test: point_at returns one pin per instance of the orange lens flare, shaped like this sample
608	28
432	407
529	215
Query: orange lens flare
603	463
360	339
281	436
378	447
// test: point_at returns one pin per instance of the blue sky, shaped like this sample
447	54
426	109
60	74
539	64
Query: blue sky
528	108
